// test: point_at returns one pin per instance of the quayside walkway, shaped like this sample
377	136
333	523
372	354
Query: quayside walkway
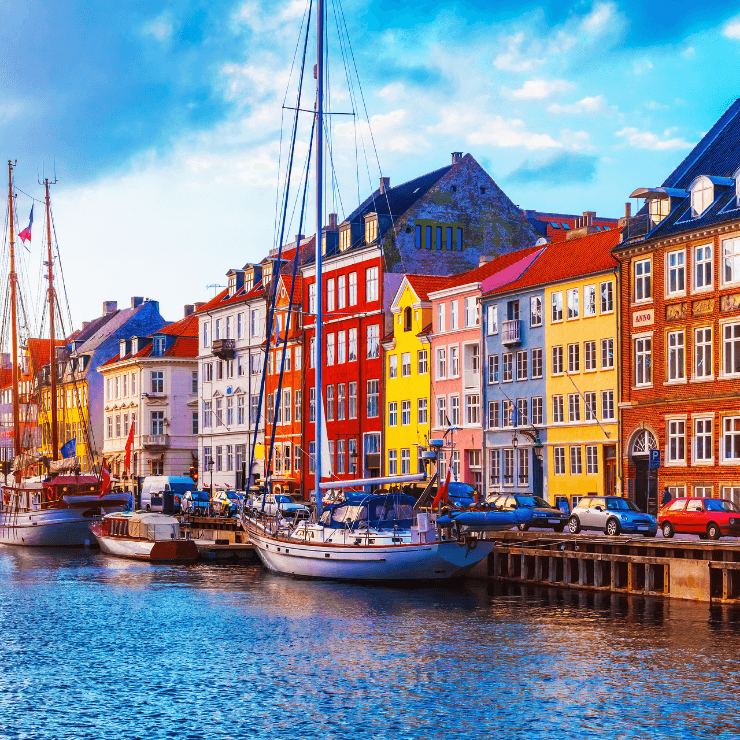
680	569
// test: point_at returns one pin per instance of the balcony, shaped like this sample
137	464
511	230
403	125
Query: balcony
638	227
511	332
157	441
224	348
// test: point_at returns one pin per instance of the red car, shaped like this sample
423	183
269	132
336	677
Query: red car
707	517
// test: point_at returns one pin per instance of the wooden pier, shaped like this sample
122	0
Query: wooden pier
681	569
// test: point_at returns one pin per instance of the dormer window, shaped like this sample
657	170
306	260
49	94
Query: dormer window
158	347
659	208
267	273
232	285
702	195
371	228
248	281
344	238
736	177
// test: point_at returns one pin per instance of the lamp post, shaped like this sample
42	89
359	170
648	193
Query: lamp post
210	470
515	445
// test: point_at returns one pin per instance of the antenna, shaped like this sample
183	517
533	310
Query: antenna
215	287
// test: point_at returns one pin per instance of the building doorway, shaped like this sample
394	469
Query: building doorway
610	470
645	482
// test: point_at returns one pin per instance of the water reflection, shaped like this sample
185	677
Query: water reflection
125	649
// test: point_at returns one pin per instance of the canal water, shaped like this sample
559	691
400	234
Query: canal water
94	647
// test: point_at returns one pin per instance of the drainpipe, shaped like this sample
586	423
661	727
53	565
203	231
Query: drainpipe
618	348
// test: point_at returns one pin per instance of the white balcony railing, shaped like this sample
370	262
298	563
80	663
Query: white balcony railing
511	332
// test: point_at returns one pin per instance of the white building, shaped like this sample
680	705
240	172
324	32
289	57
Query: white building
153	384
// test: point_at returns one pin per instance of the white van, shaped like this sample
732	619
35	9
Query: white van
153	486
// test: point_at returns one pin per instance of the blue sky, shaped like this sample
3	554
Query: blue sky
164	118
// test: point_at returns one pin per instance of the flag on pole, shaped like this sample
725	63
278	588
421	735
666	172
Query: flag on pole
25	235
442	492
129	445
105	482
69	449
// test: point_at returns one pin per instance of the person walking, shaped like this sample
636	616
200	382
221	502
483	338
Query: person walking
666	497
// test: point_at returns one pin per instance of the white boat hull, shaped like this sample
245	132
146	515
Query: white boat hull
405	562
46	528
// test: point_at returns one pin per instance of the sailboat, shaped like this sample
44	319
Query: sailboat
56	511
370	536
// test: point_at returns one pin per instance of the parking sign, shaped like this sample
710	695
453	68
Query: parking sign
654	458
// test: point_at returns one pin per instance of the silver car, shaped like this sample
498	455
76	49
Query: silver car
611	514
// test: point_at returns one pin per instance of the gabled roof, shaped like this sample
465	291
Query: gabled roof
564	260
106	325
187	327
223	299
39	351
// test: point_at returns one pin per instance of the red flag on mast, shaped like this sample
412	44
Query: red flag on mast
442	492
104	481
25	235
129	445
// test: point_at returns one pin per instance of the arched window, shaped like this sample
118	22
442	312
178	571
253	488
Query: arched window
644	442
702	195
736	177
407	319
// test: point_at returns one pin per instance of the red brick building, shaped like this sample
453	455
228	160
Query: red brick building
680	326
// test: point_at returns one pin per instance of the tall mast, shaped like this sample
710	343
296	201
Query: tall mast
319	193
52	335
13	277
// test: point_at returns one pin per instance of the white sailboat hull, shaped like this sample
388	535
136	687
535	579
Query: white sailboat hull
46	528
405	562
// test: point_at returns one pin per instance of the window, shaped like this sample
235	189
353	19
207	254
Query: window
557	360
312	352
607	354
229	457
157	381
253	408
676	272
592	459
703	367
422	411
702	196
441	363
194	381
493	407
442	411
352	348
557	307
491	319
494	467
353	289
589	406
455	411
118	427
472	408
471	312
255	322
157	420
207	412
454	361
703	447
676	440
732	349
330	348
492	369
373	342
194	422
373	398
240	410
352	453
230	411
607	405
219	459
574	407
676	355
353	400
589	355
643	363
558	416
341	349
559	459
341	291
589	300
311	405
118	390
572	303
371	282
453	315
521	412
393	414
537	410
642	273
340	456
341	401
422	362
312	299
392	462
330	403
205	335
311	458
731	444
405	413
508	466
522	371
330	294
392	366
575	461
508	362
270	408
125	385
239	325
535	311
703	272
405	461
607	296
731	260
441	317
406	364
574	358
507	413
523	466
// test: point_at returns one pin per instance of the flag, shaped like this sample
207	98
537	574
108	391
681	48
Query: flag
25	235
442	492
104	482
129	445
69	449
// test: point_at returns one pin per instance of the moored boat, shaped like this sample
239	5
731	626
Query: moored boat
143	535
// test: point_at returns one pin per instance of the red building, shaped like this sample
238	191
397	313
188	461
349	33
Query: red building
555	226
680	326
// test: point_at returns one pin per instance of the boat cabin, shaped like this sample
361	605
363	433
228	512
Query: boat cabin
372	511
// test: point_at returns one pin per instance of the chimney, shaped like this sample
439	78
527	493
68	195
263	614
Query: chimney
189	310
136	301
298	239
456	157
199	305
109	307
588	218
385	184
333	221
85	324
628	210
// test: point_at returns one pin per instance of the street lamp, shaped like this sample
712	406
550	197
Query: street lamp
210	470
515	445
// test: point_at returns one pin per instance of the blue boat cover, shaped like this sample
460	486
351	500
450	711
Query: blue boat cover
371	510
486	519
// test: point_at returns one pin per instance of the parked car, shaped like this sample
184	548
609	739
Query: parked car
545	515
225	503
611	514
196	502
287	505
707	517
154	486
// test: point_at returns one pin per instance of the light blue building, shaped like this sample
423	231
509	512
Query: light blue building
513	389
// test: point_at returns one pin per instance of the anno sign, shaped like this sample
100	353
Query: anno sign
642	318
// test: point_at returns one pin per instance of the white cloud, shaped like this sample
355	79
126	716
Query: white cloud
732	29
160	27
640	66
576	140
498	131
654	105
646	140
538	89
392	132
689	52
591	105
600	19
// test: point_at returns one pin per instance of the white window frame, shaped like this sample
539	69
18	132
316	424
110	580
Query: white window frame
607	351
730	421
592	459
558	460
573	307
491	319
589	300
645	278
535	311
734	343
589	356
676	356
699	266
556	307
647	379
703	430
734	257
606	295
675	265
675	445
700	353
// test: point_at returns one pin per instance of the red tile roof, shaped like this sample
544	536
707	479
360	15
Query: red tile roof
39	351
489	268
187	327
423	284
570	259
222	299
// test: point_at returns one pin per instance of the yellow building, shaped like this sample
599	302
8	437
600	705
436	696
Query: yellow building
408	376
581	338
